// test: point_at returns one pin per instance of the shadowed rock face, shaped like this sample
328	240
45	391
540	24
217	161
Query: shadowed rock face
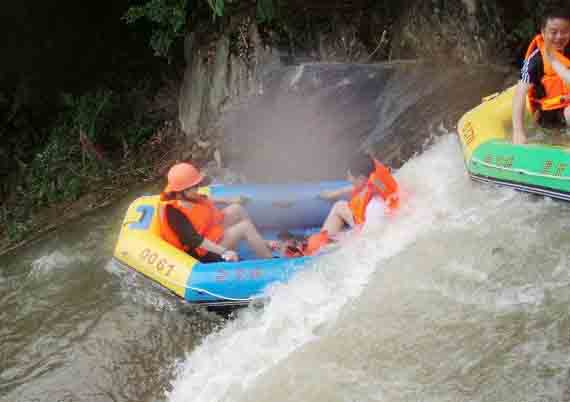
223	68
312	117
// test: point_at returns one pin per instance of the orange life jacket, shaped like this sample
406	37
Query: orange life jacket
204	216
381	183
557	92
316	242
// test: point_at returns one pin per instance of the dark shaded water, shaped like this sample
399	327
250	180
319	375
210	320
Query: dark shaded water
75	328
462	298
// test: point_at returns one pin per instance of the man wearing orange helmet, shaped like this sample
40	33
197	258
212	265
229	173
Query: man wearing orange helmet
191	222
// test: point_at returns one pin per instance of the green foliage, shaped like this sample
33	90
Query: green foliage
217	7
524	31
532	12
168	18
137	133
52	171
67	165
89	113
266	10
14	222
57	172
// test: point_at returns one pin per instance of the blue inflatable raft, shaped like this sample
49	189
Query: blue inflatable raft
292	207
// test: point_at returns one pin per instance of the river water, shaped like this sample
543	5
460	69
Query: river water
463	297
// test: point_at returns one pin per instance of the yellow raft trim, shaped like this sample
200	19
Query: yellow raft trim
141	248
490	120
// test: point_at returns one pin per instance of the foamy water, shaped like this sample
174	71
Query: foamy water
463	297
55	260
228	363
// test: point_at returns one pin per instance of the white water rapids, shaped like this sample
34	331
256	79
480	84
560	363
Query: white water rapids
463	297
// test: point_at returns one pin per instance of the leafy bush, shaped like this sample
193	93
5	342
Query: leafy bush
56	172
531	12
71	161
168	18
137	133
217	7
266	10
89	113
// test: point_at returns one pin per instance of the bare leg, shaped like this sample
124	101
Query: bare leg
234	214
339	216
567	115
246	230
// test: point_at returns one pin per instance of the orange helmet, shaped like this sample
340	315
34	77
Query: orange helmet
182	176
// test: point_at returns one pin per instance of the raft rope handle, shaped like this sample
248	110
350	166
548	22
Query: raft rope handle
195	289
520	171
199	290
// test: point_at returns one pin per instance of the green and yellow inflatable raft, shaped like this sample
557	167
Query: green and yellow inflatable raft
542	166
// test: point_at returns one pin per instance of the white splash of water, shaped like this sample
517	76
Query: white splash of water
297	77
56	260
136	288
229	361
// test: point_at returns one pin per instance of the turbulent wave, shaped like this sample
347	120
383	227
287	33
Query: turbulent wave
55	260
462	297
459	298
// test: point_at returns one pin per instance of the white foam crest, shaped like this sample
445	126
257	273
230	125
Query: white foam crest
255	341
495	300
228	362
297	77
136	288
54	261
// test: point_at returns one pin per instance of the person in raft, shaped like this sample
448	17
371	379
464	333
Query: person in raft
544	79
191	222
561	65
373	194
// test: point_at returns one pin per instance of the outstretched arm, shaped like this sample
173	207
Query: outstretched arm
240	199
519	104
335	194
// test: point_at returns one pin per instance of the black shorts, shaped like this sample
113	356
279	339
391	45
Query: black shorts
552	119
209	257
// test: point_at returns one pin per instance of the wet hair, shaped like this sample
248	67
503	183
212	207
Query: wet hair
361	165
554	12
171	195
